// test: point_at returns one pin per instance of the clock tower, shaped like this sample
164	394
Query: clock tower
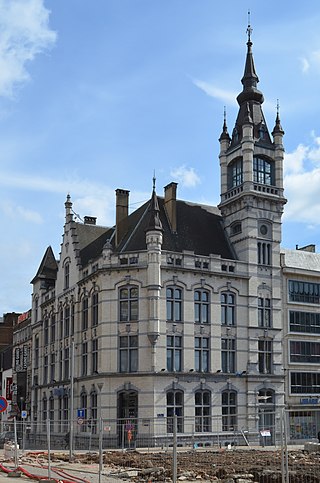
251	162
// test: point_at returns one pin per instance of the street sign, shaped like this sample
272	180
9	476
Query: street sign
3	404
80	421
80	413
24	414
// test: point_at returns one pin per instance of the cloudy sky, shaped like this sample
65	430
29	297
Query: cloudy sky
98	94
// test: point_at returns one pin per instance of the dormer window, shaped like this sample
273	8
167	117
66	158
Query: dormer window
263	171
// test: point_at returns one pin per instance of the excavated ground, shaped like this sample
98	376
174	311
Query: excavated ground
236	465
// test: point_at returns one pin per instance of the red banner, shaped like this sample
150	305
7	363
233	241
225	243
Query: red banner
9	388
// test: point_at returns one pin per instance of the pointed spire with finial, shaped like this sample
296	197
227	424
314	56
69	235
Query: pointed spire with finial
154	218
224	135
68	207
278	128
250	99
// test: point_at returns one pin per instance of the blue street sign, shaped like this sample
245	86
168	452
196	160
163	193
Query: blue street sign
3	404
80	413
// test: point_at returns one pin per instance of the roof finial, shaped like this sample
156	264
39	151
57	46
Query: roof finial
249	29
154	180
224	114
278	107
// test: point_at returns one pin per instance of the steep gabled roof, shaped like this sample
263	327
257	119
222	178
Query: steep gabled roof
48	267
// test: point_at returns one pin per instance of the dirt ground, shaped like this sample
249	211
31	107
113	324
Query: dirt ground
223	465
227	466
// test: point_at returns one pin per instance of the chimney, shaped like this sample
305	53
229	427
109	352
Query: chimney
170	204
308	248
90	220
122	211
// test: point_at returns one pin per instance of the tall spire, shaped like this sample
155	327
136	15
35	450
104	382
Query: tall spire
250	101
250	79
154	219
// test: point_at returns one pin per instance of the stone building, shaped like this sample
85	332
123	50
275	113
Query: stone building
177	308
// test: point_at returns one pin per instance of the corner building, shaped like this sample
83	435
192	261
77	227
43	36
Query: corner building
174	310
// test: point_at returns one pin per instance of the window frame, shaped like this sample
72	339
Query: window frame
201	306
128	353
202	354
174	353
129	303
228	308
229	410
174	299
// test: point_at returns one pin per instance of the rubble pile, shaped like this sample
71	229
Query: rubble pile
221	466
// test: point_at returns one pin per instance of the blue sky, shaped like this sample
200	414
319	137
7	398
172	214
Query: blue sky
96	95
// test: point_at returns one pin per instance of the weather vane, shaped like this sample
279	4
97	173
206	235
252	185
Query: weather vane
249	29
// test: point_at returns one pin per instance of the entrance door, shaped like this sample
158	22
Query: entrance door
127	418
266	417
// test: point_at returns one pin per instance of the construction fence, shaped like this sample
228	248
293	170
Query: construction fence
277	446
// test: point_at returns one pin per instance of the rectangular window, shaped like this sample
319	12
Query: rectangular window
264	312
53	328
304	322
61	323
45	370
94	309
128	304
66	364
46	330
85	309
201	306
305	292
94	354
84	359
128	353
174	304
265	356
67	321
303	351
72	320
228	355
52	367
36	352
305	382
201	354
227	308
174	353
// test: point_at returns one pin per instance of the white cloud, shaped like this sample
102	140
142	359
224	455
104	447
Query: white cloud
305	64
19	212
25	32
302	183
228	97
186	176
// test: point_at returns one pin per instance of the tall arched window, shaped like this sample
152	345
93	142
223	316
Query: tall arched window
229	410
94	309
263	171
94	410
174	407
202	407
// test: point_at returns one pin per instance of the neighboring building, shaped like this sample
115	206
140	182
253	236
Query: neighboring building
22	369
301	321
6	337
177	308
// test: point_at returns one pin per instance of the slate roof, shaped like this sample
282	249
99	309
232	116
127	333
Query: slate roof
199	230
301	259
48	267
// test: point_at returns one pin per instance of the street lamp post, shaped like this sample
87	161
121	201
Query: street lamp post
100	386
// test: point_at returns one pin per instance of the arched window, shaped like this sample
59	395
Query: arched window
229	410
66	275
128	303
263	171
85	311
235	173
175	407
202	406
